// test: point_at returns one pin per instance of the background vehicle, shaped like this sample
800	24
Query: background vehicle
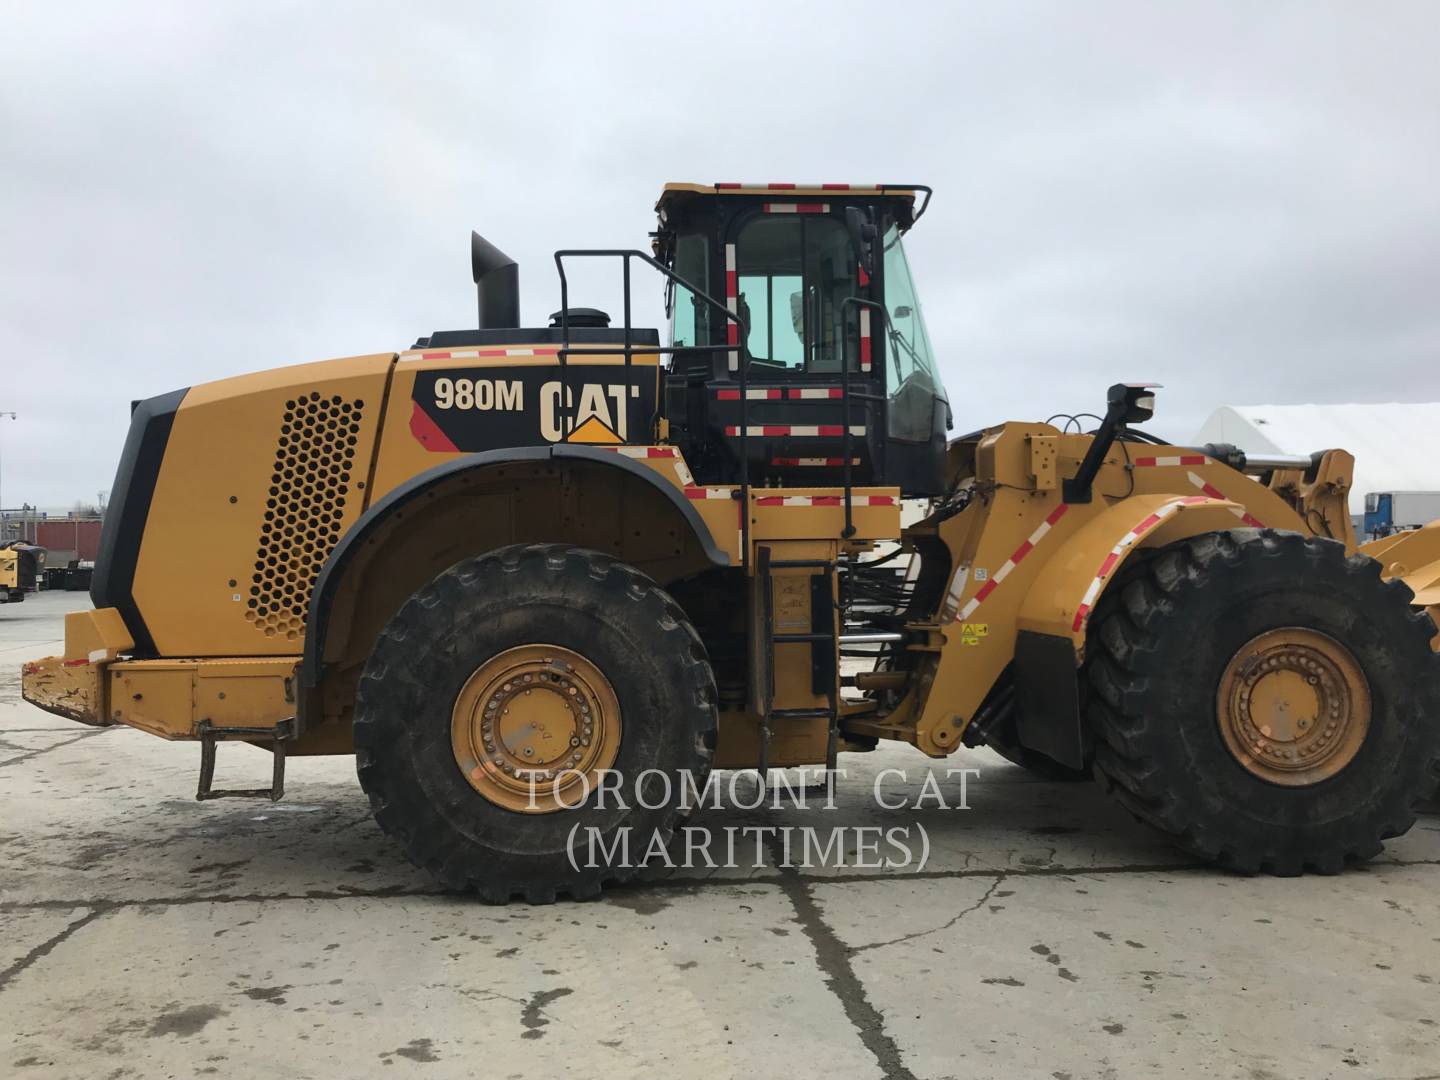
1388	512
21	565
511	558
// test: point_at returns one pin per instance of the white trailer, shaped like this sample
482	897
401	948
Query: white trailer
1389	512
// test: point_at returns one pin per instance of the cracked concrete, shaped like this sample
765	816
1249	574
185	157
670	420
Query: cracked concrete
145	934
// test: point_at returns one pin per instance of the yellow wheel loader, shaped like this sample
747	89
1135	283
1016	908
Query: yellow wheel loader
21	565
508	563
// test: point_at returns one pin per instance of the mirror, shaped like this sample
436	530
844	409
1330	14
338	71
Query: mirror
862	236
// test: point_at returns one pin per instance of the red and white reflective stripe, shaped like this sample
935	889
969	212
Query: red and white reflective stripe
818	462
865	344
706	494
833	431
795	207
825	500
1015	559
733	186
474	354
732	302
1216	493
772	393
1163	462
664	453
1143	526
750	395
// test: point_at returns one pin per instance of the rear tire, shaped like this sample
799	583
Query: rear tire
1163	652
420	678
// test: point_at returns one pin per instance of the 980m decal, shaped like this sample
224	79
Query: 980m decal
464	410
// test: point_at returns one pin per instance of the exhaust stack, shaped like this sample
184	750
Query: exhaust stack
497	284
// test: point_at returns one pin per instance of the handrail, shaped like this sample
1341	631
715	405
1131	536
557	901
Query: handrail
858	301
625	255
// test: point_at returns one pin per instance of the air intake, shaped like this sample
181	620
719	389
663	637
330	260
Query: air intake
304	510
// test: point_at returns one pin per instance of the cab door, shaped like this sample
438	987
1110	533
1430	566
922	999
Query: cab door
792	275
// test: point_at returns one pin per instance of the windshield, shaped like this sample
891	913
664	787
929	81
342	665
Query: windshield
911	374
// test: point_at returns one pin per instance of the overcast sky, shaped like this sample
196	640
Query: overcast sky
1239	201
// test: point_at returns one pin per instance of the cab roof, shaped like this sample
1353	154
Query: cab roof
675	194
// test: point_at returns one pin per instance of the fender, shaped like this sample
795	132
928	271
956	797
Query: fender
1069	586
1055	613
333	572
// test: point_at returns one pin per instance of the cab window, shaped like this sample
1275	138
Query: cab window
795	271
689	315
909	360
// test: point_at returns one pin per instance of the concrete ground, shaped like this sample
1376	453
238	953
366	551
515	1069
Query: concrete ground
143	934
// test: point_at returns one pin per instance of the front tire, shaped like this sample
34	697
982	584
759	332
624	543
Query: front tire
1266	701
600	669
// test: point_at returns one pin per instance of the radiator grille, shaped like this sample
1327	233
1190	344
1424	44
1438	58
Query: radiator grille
303	510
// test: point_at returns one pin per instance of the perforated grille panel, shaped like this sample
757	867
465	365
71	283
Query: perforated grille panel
304	509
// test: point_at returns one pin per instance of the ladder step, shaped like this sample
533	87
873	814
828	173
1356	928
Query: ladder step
211	736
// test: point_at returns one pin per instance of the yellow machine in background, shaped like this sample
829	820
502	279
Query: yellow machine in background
21	565
507	562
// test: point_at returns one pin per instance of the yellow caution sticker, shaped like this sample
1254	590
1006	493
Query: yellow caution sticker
972	632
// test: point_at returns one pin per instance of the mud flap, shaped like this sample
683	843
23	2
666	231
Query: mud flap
1047	698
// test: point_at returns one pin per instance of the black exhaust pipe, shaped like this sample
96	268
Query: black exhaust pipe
497	284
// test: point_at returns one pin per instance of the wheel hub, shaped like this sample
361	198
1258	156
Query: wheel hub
1293	706
533	725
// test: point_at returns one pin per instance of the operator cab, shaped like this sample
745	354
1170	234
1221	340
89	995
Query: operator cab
833	337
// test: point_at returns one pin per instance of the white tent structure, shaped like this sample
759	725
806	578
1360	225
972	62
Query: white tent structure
1394	444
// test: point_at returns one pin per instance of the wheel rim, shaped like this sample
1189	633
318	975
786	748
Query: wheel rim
533	726
1294	706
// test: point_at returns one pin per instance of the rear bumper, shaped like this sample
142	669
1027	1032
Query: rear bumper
73	685
169	698
69	688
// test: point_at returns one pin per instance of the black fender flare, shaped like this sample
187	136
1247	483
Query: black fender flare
318	619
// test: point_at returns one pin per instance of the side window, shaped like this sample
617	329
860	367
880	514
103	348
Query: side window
689	316
795	271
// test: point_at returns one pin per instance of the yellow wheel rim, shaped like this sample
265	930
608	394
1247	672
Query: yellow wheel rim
1293	706
533	726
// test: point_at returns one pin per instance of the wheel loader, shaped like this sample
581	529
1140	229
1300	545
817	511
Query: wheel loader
21	566
508	562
